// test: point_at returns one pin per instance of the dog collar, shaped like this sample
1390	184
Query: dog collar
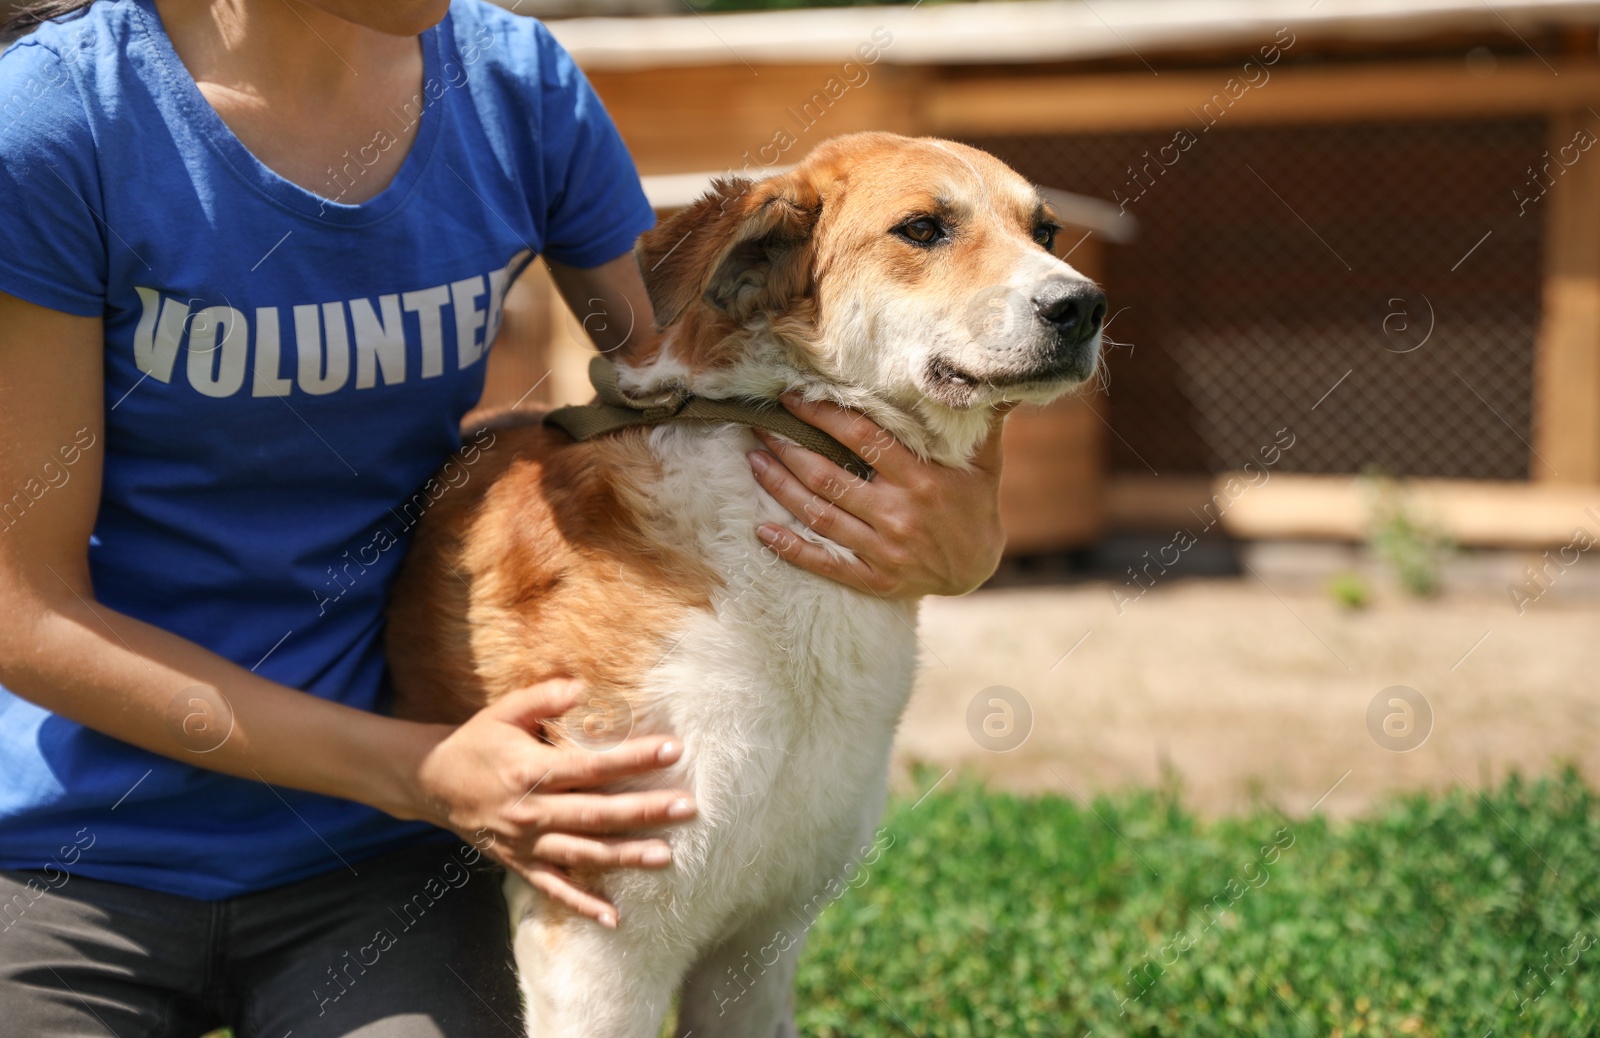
617	410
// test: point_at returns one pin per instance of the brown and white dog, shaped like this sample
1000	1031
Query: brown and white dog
910	279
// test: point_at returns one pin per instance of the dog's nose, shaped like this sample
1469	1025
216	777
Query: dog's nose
1074	309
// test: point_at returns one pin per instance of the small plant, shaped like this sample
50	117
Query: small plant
1350	590
1412	547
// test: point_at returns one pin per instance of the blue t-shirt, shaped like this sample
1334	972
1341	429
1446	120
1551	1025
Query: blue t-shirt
283	375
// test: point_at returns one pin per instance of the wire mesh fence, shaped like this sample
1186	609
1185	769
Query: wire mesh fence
1373	287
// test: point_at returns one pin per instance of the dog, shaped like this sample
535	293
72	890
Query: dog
910	279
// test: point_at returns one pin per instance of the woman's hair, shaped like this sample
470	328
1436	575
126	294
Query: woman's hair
27	16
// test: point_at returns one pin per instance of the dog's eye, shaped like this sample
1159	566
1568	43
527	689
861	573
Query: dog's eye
924	230
1045	235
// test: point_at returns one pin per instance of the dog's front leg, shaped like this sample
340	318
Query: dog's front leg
580	981
744	988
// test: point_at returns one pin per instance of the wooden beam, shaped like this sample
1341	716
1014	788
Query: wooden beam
541	356
1154	503
723	117
1298	507
1072	103
1567	361
519	361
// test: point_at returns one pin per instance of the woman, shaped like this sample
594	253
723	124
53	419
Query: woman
252	255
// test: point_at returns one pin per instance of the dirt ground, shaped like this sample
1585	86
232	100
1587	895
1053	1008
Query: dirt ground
1254	689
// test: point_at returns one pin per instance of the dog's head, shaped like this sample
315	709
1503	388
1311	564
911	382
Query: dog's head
910	278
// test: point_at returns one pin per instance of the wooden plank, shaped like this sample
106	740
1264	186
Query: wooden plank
519	359
1155	503
541	347
1069	103
1567	362
1052	493
1299	507
683	120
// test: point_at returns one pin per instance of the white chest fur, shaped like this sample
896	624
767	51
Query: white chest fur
786	694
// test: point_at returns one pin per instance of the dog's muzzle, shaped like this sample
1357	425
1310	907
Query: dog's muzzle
1073	310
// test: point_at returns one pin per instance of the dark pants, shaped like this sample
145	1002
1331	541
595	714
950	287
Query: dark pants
414	944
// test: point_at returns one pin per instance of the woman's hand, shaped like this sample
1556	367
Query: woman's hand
494	783
918	528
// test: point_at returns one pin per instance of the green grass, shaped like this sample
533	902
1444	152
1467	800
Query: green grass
1004	916
1007	916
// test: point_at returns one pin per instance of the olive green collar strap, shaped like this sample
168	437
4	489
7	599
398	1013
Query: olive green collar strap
616	410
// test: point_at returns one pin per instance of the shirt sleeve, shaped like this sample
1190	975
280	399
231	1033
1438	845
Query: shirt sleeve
52	237
596	206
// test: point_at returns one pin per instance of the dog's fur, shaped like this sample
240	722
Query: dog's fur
631	562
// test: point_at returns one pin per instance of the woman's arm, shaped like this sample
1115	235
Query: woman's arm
919	528
610	303
490	780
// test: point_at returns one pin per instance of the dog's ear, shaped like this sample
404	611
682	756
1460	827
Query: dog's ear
743	248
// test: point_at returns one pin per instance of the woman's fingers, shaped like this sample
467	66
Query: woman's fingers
919	528
610	813
820	475
558	847
578	767
557	886
566	849
822	561
791	475
531	706
869	440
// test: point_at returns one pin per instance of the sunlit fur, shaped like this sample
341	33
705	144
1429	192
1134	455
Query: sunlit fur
631	562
